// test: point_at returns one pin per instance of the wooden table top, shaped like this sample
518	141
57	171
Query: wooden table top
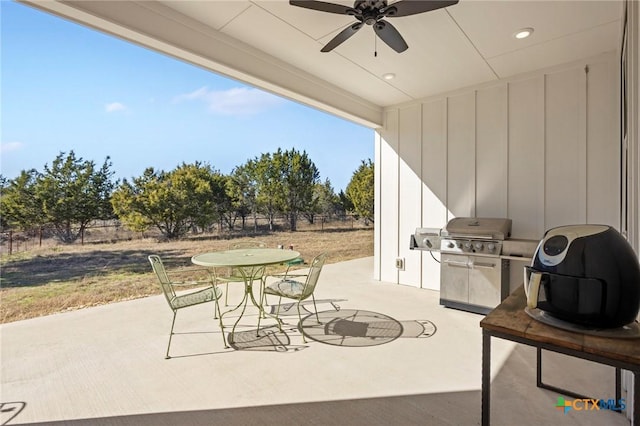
511	319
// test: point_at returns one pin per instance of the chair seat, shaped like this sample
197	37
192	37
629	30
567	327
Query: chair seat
287	288
197	297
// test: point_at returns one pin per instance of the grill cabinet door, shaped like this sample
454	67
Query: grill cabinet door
486	281
454	278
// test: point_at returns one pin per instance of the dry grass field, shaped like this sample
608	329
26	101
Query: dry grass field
57	278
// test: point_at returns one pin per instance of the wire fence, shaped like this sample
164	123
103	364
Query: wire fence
112	231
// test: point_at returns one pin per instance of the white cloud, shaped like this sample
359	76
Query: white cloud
114	106
235	101
10	146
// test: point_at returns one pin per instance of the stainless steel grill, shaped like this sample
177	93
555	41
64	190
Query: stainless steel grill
473	274
473	235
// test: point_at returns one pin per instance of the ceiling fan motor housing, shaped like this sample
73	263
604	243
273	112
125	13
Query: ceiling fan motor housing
370	11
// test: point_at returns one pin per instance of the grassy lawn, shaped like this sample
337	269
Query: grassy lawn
58	278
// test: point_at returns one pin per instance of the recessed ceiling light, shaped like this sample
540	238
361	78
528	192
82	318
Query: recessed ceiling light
523	33
389	76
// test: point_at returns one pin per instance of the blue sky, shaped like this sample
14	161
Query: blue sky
66	87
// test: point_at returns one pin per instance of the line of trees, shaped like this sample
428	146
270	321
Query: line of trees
73	192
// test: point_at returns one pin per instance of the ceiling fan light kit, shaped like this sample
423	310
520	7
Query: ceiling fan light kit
373	12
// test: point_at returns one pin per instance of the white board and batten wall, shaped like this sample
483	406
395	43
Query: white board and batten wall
541	149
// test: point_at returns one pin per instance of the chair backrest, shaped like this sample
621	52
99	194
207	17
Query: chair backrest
247	244
314	273
161	273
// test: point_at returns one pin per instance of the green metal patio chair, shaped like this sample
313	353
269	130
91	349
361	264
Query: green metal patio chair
211	293
299	290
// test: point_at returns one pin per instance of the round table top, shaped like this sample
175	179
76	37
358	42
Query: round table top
245	257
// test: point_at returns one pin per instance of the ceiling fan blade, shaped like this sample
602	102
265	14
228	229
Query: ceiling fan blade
390	35
342	36
322	6
413	7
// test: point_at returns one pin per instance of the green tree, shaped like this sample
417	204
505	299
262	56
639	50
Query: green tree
192	195
73	192
19	206
344	204
361	190
269	185
223	199
129	200
299	177
4	184
325	201
242	188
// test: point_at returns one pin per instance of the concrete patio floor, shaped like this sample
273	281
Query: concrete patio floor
106	366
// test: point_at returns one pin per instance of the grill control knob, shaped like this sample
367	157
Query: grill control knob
467	245
451	245
491	247
479	246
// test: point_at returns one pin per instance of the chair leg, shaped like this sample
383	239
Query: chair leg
226	295
171	334
224	340
264	295
278	320
315	308
216	310
259	318
300	322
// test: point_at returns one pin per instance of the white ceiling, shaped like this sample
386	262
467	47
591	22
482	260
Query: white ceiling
276	46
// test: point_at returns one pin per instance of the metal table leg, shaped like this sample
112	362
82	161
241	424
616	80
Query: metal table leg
618	385
556	389
486	377
635	420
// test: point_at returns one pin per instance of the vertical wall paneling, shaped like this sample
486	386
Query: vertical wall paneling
434	164
491	152
389	198
526	157
461	152
630	149
377	196
541	149
603	148
434	184
583	102
409	191
564	149
632	96
633	137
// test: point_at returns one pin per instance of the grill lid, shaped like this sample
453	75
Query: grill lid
478	228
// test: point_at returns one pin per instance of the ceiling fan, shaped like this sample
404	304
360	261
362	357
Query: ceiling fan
373	12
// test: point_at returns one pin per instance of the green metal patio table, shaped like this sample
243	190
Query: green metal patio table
251	262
